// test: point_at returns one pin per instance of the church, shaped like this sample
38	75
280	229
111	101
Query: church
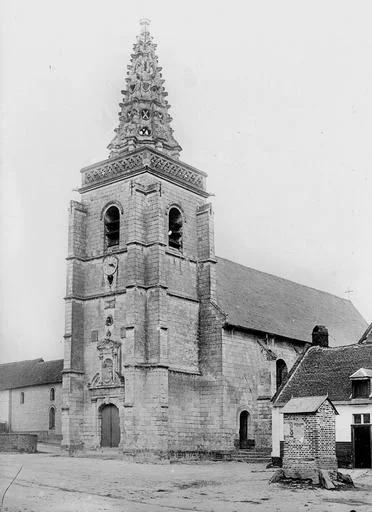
169	349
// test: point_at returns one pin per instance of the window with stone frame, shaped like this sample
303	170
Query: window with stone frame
22	398
112	227
52	394
52	418
175	228
281	372
361	388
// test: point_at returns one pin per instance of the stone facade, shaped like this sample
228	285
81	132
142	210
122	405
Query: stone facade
27	409
149	350
183	377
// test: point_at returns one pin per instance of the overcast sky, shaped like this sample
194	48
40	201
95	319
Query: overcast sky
272	99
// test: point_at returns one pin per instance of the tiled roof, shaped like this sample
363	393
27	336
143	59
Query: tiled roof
30	373
305	404
263	302
325	371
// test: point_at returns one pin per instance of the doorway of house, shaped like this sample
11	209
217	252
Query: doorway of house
110	426
362	446
243	430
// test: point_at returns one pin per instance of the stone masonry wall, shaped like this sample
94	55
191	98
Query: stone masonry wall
184	412
33	414
249	380
18	443
153	303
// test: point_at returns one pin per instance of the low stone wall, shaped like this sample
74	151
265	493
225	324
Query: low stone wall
44	436
18	443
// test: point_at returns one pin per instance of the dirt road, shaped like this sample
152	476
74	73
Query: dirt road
51	482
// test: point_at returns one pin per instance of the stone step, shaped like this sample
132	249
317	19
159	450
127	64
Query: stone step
252	460
101	453
262	456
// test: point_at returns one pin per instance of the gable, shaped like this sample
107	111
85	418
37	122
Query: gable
263	302
306	405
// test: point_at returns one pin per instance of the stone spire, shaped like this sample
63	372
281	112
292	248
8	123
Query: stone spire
144	118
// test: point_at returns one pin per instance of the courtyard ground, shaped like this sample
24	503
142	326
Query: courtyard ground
53	482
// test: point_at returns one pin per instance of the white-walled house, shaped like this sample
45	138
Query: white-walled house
344	374
31	398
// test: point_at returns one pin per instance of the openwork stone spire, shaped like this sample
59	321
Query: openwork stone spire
144	118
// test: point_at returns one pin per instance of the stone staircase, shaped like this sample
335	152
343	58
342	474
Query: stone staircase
252	455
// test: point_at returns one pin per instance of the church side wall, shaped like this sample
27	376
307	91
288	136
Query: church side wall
249	383
33	414
4	406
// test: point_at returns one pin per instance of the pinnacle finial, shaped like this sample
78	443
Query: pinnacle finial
144	22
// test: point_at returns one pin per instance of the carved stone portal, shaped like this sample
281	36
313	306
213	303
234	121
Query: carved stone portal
109	354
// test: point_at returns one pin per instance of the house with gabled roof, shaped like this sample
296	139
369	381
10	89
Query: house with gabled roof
30	398
344	375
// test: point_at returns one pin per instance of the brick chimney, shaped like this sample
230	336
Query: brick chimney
320	336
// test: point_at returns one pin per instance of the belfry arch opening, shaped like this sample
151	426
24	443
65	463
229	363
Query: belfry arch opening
175	228
112	226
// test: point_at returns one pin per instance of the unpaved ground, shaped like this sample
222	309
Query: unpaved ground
50	482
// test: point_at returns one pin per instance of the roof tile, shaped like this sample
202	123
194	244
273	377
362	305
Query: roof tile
271	304
30	373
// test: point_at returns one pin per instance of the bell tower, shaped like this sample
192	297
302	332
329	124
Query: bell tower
140	266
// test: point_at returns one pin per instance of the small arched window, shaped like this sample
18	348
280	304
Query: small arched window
175	228
52	394
112	226
22	398
281	372
52	418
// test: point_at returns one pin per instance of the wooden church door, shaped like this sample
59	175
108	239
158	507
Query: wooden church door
110	426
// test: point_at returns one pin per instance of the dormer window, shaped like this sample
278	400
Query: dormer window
361	383
361	388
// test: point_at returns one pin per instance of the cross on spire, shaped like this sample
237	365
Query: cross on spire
145	23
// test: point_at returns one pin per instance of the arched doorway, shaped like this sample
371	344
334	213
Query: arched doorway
110	426
243	429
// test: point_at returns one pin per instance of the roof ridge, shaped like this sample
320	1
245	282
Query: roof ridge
37	360
356	345
53	360
287	280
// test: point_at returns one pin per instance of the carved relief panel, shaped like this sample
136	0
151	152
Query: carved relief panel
109	355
